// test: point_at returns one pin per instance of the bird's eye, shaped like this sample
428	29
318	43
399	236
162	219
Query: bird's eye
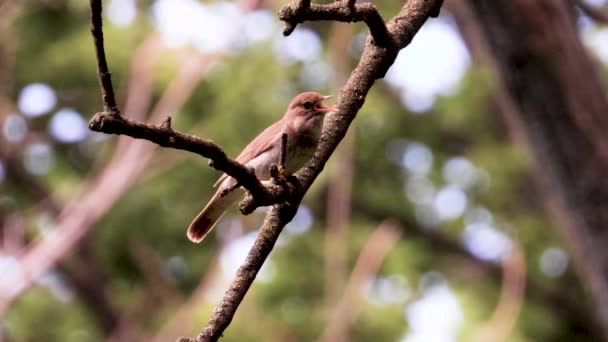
307	105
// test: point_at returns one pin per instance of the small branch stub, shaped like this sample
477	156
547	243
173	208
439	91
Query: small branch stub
166	124
283	156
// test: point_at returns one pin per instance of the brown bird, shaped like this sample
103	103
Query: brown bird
303	122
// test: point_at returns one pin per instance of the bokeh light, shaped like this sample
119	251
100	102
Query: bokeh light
316	74
393	289
68	126
9	265
36	99
209	27
432	65
122	13
553	262
301	223
417	159
597	40
14	128
437	316
450	202
259	26
38	158
486	242
301	46
460	172
419	190
175	268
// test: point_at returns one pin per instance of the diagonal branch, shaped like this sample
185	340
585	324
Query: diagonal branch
105	77
375	61
222	315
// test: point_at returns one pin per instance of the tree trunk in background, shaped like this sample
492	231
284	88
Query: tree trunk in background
561	110
339	190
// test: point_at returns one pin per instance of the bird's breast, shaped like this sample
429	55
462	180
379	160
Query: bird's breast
299	151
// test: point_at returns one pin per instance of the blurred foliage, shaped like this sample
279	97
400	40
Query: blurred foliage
240	96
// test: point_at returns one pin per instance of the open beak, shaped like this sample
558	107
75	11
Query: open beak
323	108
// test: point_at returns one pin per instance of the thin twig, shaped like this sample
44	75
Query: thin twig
277	171
283	156
105	77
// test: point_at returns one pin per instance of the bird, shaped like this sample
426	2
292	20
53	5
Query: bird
302	122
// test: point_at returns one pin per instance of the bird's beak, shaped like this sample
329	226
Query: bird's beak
323	108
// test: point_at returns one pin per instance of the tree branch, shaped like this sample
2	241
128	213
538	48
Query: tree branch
274	222
300	11
126	165
375	61
165	136
112	122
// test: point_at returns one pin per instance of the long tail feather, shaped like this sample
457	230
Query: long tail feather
204	222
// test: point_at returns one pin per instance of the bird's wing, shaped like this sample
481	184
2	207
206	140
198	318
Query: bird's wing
257	146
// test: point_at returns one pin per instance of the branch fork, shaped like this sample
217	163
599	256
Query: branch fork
281	186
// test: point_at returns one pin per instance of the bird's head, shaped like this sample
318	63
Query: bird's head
306	111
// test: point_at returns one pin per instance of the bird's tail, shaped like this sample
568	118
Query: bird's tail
211	214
